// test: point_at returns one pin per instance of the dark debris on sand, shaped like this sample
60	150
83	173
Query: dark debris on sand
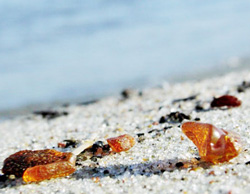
174	117
48	114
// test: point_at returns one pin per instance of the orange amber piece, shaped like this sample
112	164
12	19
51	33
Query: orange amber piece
121	143
215	145
39	165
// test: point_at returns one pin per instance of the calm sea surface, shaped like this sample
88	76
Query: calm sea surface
60	50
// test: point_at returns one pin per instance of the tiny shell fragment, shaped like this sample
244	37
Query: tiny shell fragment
226	100
215	145
121	143
39	165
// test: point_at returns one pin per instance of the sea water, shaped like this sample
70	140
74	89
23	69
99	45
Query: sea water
61	50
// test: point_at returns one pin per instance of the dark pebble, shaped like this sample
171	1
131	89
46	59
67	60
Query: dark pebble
199	108
95	158
179	164
96	145
247	163
198	158
197	119
126	93
162	120
244	85
70	143
105	172
3	178
140	134
106	148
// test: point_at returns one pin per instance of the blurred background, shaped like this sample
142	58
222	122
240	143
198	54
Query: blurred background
66	51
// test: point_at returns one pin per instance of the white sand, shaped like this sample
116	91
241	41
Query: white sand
150	165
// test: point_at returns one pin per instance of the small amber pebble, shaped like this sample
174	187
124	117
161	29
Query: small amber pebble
215	145
121	143
39	164
226	100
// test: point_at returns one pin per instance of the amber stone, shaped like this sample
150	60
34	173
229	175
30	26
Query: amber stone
215	145
39	164
121	143
226	100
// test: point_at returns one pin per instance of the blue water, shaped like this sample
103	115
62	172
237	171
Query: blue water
57	50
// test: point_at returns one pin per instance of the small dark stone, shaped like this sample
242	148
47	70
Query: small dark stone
140	134
247	163
3	178
95	158
126	93
199	107
96	145
179	164
105	172
51	114
71	143
162	120
106	148
198	158
244	85
197	119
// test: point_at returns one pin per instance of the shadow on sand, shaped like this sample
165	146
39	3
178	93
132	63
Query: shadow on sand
114	171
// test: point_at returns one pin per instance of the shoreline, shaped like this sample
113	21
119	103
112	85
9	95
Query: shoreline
163	157
221	71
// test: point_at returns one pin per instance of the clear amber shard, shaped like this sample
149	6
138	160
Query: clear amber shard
121	143
215	145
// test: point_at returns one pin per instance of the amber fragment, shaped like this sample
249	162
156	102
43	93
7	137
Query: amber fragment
121	143
48	171
226	100
214	145
39	164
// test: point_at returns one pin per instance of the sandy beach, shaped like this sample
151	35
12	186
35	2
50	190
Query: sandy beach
163	159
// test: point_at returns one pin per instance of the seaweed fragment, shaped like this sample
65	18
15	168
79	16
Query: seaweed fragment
48	114
193	97
88	102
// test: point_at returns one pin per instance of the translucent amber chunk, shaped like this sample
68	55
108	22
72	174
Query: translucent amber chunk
39	165
214	145
121	143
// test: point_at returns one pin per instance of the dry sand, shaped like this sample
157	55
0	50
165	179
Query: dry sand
154	164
